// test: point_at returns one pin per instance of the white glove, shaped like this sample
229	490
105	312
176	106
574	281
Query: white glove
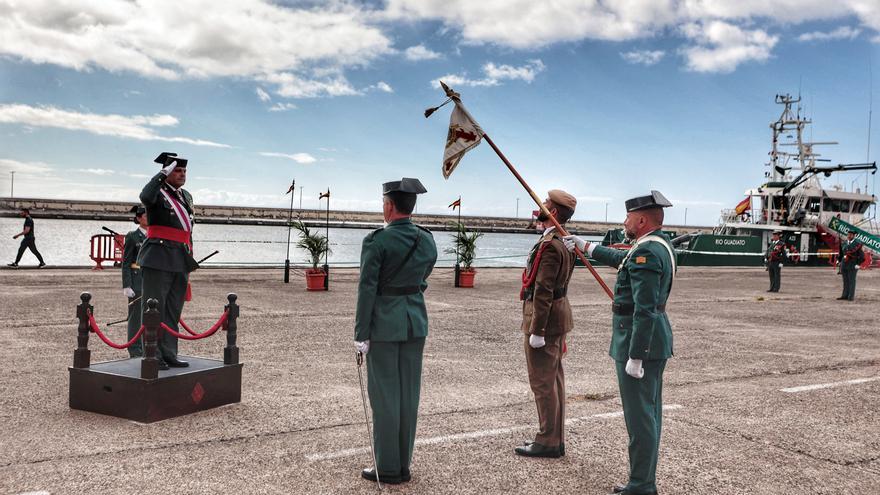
634	368
362	347
572	241
858	267
170	168
536	341
128	292
780	265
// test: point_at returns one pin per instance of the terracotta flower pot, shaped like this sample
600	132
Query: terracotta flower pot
466	278
315	279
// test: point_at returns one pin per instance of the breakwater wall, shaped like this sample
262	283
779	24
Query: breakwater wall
256	215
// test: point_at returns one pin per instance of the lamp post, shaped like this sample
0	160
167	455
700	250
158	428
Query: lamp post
517	207
685	217
12	185
300	198
606	212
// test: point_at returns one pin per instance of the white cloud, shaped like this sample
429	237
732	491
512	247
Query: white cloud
290	85
138	127
30	168
420	52
382	86
495	74
175	39
263	95
303	158
841	33
721	47
95	171
282	107
643	57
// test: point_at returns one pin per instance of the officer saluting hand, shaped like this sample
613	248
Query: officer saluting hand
391	325
641	339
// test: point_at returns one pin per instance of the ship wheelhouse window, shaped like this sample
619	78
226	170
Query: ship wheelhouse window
836	205
814	205
861	207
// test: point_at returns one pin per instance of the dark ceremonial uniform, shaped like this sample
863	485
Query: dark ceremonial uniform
547	313
853	256
641	330
28	241
774	257
166	255
395	264
132	278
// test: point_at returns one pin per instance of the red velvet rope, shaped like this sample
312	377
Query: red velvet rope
196	336
97	330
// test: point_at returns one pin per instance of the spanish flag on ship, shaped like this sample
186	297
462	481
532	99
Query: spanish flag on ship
744	206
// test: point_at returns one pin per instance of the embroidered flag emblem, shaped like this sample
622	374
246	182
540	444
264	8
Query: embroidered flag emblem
641	260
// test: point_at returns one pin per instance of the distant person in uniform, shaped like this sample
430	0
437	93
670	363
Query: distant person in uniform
29	241
166	256
546	321
641	340
391	325
850	262
773	258
132	280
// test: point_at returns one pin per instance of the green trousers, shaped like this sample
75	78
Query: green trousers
169	288
643	412
394	384
135	313
775	272
849	283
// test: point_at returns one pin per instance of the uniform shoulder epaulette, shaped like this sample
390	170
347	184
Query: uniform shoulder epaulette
426	229
373	233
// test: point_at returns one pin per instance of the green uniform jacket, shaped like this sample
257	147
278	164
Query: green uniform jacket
388	318
775	252
162	254
643	284
131	277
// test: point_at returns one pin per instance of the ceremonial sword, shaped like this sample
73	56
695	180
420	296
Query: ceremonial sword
360	361
138	298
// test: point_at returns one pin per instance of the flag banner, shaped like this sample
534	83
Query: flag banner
743	206
464	134
324	195
290	188
455	204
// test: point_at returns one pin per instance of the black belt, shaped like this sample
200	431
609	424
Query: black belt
627	309
529	293
399	291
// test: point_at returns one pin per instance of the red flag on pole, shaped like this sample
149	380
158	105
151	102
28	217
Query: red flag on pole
324	195
455	204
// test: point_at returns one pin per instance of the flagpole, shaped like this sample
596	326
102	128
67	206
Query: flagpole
546	212
327	253
289	220
457	258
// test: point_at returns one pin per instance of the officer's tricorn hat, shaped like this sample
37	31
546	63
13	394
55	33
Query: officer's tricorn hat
166	158
653	200
404	185
777	232
138	210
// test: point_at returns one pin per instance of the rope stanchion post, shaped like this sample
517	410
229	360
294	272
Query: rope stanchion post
82	354
230	352
152	320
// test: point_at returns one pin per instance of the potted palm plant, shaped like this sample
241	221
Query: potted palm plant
317	246
464	247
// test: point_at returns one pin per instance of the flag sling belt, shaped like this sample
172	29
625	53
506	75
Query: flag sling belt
177	285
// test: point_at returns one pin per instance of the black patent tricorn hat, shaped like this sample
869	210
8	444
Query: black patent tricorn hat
653	200
167	157
404	185
138	210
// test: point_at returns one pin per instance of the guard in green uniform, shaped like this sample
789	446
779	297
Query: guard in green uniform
853	257
773	258
132	279
166	256
391	324
641	339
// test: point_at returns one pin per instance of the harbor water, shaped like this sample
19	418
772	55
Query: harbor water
66	243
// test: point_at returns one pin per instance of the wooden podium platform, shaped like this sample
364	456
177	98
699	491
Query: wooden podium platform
137	389
116	388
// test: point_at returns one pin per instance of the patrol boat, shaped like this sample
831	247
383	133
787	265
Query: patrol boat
812	218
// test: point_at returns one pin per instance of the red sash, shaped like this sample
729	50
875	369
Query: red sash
176	235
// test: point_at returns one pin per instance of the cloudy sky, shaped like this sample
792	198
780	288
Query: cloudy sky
606	99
